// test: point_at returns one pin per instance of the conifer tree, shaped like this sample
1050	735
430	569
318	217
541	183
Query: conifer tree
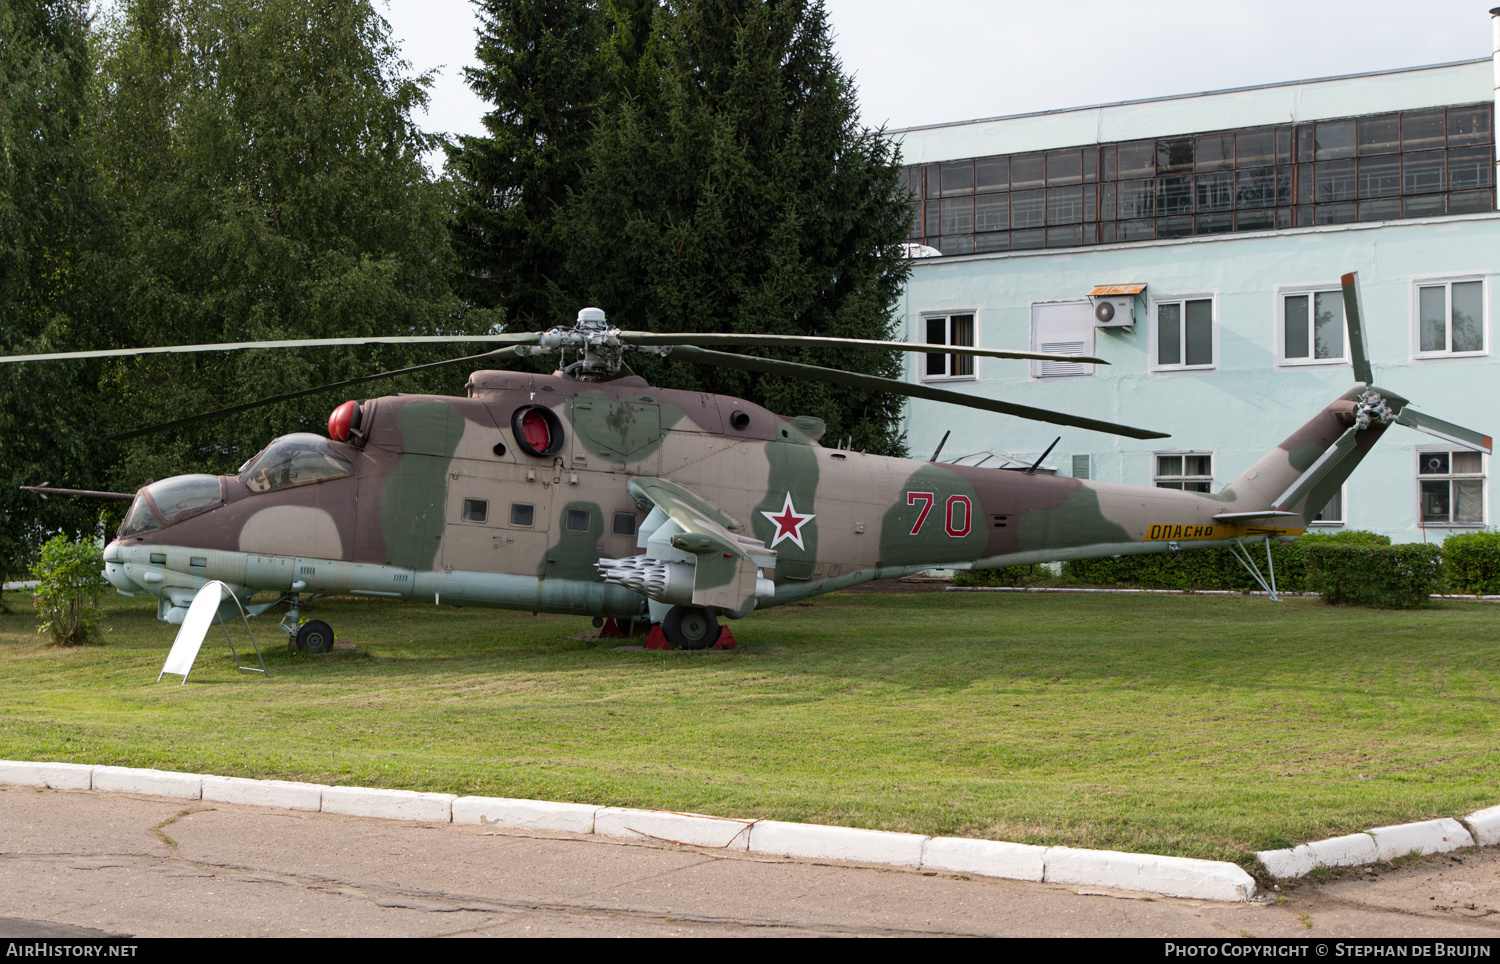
541	67
734	189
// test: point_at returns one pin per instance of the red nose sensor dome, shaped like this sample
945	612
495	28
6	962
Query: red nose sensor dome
341	421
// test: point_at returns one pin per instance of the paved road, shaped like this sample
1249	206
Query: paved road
78	864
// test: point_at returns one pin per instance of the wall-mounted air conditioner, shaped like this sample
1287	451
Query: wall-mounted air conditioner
1114	305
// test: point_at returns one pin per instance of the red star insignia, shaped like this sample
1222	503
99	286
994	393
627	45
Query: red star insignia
789	523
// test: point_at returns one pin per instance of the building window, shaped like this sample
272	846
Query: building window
1082	467
1184	334
1062	328
949	330
1452	487
1332	514
1312	327
1188	471
1419	163
1450	318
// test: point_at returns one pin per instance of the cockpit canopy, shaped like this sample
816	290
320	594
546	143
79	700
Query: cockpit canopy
162	503
297	460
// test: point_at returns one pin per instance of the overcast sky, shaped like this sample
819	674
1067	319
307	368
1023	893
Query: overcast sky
928	61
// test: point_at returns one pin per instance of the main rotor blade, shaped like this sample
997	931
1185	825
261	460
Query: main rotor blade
514	338
273	399
44	491
655	338
1446	431
704	356
1354	316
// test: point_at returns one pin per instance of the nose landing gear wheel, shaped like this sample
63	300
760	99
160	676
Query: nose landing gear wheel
315	636
690	627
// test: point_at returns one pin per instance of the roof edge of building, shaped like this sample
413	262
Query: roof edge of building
1189	96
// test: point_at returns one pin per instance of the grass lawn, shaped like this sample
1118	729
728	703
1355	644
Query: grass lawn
1205	726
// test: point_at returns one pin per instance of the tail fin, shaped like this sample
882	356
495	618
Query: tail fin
1302	474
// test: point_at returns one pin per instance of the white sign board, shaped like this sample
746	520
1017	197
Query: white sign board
200	616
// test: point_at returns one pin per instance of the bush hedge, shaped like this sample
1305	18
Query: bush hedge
1354	567
1004	576
1473	562
1388	577
1198	569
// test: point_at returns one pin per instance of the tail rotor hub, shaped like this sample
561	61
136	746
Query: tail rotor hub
1370	409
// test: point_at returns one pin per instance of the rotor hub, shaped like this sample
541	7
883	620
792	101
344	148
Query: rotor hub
1371	408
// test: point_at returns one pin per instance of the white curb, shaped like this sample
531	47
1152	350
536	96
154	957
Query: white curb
1173	876
1426	837
1385	843
156	783
836	843
988	858
389	804
1485	825
280	794
58	776
693	829
525	814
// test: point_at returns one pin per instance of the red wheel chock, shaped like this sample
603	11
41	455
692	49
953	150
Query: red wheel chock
656	639
611	630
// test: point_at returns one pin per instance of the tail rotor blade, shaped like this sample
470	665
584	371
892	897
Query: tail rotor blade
1316	472
1354	317
705	356
1444	430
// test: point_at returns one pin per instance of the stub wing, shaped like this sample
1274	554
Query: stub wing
727	568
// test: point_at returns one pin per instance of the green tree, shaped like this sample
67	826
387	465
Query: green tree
733	189
53	276
270	185
541	66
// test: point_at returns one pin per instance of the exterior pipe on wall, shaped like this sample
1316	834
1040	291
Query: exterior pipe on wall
1495	25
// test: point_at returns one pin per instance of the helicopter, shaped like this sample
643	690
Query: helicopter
590	492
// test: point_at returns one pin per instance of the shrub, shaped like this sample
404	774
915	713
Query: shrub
1191	569
67	593
1003	576
1473	562
1197	569
1387	577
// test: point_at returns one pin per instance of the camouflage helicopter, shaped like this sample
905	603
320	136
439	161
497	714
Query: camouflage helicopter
592	493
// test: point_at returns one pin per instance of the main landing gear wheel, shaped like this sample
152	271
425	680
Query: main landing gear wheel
315	636
690	627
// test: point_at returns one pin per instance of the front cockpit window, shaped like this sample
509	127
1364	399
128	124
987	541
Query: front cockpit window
297	460
139	519
184	495
170	500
